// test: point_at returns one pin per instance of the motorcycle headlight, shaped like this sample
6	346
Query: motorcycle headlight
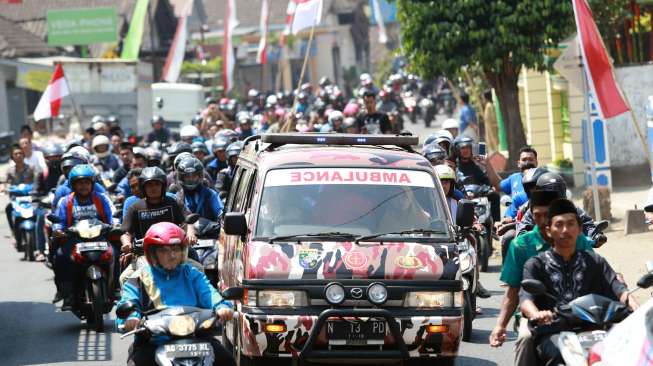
275	298
465	262
181	325
208	323
26	213
377	293
431	299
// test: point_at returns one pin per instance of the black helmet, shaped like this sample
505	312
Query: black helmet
434	152
199	146
530	177
179	148
552	182
152	173
190	173
52	150
462	141
156	119
234	149
196	120
153	157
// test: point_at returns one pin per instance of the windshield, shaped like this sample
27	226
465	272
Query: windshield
349	200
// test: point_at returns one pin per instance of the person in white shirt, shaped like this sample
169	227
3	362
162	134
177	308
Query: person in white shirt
33	158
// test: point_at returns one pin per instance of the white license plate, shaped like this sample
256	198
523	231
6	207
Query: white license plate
188	350
205	243
92	246
592	337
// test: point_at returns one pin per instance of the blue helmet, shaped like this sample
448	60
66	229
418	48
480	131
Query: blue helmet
82	171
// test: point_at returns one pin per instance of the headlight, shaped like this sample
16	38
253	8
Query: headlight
276	298
429	299
26	213
181	325
377	293
334	293
208	323
465	262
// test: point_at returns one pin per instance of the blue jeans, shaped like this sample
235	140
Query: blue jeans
40	229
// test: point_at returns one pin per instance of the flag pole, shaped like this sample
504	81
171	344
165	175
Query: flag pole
592	152
301	75
637	129
70	94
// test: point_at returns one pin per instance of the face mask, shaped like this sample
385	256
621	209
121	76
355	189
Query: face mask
527	166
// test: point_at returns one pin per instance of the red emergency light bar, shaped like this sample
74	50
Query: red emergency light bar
338	139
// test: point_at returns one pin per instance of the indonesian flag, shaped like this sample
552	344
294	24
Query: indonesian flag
308	13
228	57
50	101
261	54
598	68
290	12
177	50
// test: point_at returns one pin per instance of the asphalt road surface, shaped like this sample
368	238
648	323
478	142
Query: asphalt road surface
34	332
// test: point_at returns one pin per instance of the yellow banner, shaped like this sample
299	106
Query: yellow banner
33	79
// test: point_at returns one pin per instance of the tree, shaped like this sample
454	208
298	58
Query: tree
499	36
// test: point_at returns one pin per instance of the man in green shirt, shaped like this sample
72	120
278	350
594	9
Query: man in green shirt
523	248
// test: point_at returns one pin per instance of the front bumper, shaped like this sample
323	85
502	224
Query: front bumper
305	336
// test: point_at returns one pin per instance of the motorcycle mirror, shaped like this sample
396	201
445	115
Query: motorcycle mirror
648	208
534	287
601	225
53	218
233	293
192	218
646	281
465	214
125	309
506	200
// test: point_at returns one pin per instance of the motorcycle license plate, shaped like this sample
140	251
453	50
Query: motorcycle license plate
92	246
589	338
188	350
357	332
205	243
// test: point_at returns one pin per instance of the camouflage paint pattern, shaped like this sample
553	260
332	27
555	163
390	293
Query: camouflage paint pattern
413	329
347	260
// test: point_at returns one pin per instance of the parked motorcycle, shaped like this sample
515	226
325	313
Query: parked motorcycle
478	194
94	255
184	325
24	217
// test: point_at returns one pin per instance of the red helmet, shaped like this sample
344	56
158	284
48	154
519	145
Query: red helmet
161	234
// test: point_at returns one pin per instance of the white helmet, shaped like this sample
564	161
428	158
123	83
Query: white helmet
81	152
272	99
450	123
189	131
98	141
335	115
445	133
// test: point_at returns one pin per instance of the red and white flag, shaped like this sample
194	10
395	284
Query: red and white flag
598	68
261	54
308	13
228	57
50	101
177	50
290	12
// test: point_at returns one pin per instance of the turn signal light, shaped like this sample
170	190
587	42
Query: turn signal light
275	328
437	329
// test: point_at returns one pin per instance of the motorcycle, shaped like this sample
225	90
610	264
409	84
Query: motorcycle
24	217
184	325
94	255
583	322
469	271
478	194
428	110
446	102
207	248
409	100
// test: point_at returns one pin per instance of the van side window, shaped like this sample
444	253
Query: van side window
244	188
232	192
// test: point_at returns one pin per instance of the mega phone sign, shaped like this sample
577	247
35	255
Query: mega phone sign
310	176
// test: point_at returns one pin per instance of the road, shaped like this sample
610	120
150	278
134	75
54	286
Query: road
34	332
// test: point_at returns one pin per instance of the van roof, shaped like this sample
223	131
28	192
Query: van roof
339	156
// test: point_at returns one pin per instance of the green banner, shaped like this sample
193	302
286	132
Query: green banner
82	26
132	43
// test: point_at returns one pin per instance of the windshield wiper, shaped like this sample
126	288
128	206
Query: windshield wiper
406	232
336	234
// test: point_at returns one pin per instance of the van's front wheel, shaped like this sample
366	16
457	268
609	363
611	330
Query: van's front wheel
428	361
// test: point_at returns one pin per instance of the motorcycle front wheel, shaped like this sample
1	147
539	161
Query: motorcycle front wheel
98	301
28	245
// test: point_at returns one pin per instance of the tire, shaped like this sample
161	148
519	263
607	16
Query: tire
98	301
428	361
468	316
484	256
29	245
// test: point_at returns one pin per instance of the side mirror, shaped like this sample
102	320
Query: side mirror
233	293
465	213
648	208
125	309
601	226
646	281
534	287
235	224
53	218
192	218
506	201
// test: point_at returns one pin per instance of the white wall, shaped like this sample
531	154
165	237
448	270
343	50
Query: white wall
625	146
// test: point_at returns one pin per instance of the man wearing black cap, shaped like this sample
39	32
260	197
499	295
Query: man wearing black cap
567	274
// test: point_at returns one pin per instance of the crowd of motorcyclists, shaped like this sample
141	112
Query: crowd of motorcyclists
149	189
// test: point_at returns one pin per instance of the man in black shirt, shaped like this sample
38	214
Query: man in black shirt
160	133
567	274
126	156
373	122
